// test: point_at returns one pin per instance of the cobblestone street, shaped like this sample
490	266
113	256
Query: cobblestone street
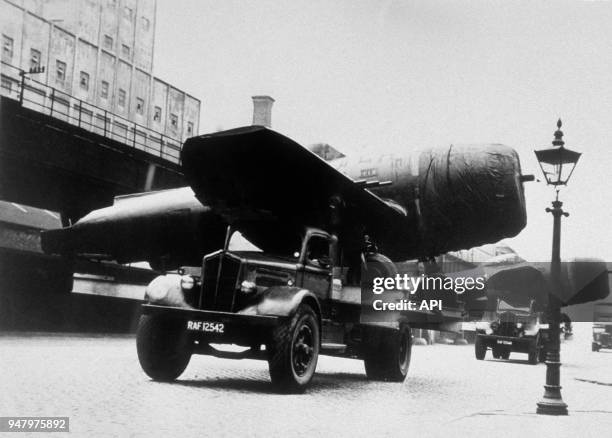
98	383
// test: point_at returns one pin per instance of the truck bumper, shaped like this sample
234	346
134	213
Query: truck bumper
219	327
520	345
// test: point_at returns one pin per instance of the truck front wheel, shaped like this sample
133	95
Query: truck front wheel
480	349
294	351
389	358
162	347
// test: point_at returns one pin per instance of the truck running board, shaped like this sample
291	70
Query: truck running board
331	348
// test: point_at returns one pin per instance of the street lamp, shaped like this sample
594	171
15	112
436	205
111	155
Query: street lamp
557	164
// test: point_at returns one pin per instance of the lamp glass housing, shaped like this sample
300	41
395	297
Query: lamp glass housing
557	164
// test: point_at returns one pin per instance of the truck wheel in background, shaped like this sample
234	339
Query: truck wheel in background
505	354
162	346
387	355
294	351
480	349
532	355
594	346
542	354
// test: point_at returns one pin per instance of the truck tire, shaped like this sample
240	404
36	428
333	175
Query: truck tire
480	349
389	358
294	351
505	354
496	353
542	354
594	346
532	355
162	347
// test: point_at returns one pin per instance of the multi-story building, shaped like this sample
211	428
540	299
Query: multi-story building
98	58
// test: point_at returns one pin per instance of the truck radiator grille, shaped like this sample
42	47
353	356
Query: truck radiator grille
507	324
219	286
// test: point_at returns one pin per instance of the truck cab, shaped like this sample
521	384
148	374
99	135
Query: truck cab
283	308
602	336
602	326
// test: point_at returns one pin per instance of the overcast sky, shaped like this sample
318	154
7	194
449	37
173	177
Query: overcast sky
367	76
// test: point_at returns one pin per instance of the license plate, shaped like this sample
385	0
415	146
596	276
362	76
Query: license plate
500	341
206	326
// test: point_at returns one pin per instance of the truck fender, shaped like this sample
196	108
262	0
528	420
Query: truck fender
283	301
166	290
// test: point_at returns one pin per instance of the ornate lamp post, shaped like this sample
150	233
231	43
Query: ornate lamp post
557	164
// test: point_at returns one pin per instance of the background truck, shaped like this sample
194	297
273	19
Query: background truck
515	329
602	326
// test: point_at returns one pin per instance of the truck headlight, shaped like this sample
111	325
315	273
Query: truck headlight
248	287
519	325
187	282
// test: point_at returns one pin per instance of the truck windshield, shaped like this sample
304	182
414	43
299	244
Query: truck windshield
505	307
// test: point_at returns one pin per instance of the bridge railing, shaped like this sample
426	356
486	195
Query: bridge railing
58	104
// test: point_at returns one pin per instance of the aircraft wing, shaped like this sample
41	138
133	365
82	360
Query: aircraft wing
270	188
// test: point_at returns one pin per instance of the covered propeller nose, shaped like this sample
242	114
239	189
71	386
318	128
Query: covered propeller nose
470	195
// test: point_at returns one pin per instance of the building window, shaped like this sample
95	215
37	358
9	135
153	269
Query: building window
127	13
60	72
157	114
365	173
84	81
34	58
139	105
125	50
108	42
121	98
173	121
145	23
189	128
7	48
104	90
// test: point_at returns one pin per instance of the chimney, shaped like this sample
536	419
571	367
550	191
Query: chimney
262	110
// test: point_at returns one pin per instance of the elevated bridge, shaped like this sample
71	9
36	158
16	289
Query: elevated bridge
63	154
